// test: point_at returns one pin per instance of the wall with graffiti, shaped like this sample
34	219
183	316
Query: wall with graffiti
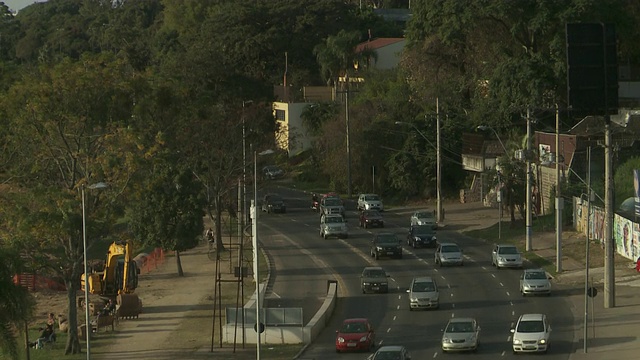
626	233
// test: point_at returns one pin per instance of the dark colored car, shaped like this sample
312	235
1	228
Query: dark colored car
374	279
422	236
355	335
272	172
273	203
370	218
386	244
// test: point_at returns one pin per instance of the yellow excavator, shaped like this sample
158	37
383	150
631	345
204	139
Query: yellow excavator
117	281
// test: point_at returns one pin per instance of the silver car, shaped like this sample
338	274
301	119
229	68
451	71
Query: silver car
333	225
535	281
423	293
531	334
424	217
370	202
461	334
506	255
448	254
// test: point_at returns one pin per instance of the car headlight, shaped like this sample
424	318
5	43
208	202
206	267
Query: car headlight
472	338
340	339
383	283
379	248
446	340
363	339
542	341
417	238
433	238
414	299
517	341
399	247
366	283
500	258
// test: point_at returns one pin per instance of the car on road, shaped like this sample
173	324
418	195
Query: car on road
374	279
385	244
333	225
422	236
273	203
506	255
355	335
531	334
391	352
424	217
370	218
423	293
272	172
461	334
448	254
535	281
331	205
370	202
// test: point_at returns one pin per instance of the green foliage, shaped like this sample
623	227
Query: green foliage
623	180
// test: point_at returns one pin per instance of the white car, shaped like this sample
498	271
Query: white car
423	293
370	202
461	334
424	217
506	255
333	225
535	281
531	334
448	254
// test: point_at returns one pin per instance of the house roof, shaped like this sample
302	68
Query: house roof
377	43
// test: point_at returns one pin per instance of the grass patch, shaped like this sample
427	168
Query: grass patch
512	232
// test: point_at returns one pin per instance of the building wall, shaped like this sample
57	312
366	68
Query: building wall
291	135
389	56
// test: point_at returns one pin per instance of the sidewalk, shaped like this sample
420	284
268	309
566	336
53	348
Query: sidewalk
612	333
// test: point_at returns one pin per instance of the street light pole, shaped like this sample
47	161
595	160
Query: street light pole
256	257
88	328
587	243
528	242
438	165
559	201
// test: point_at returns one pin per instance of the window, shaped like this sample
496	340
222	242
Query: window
281	115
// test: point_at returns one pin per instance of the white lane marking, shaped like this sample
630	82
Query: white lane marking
501	284
493	275
273	293
388	330
511	303
513	313
484	268
508	294
451	294
435	354
399	296
453	315
453	305
398	307
503	353
394	317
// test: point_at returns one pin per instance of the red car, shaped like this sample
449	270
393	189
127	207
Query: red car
355	335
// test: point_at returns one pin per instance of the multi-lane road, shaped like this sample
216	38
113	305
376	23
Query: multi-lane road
304	262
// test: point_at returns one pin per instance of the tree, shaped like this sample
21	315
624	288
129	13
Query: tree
623	179
17	303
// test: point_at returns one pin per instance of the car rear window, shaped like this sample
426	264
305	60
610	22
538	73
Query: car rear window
387	238
508	250
450	248
424	286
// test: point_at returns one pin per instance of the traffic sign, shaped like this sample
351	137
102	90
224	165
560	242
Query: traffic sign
592	292
255	327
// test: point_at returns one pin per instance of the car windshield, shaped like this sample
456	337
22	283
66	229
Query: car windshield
535	275
423	214
532	326
450	249
371	213
387	239
388	355
424	286
507	250
459	327
372	198
374	273
353	327
332	202
422	230
333	219
274	198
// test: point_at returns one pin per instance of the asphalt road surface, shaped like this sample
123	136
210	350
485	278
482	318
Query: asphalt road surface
304	262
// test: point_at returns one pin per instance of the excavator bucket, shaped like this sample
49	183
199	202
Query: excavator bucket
129	306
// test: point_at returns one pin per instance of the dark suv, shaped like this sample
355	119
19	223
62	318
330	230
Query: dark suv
386	244
422	236
273	203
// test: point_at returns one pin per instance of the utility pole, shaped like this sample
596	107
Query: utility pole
559	201
528	244
609	269
346	111
438	164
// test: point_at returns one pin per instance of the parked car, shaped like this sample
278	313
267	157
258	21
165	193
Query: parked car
424	217
374	279
331	205
369	218
506	255
272	172
448	254
370	202
535	281
273	203
355	335
385	244
395	352
531	334
461	334
423	293
422	236
333	225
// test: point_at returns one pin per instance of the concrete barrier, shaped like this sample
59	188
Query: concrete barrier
285	334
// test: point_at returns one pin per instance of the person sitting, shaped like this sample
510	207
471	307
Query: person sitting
210	236
47	334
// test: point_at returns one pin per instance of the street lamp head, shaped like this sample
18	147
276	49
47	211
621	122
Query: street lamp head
266	152
100	185
482	127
